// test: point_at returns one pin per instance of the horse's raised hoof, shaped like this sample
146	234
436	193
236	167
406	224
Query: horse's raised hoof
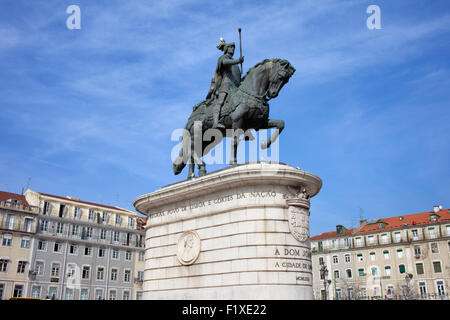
265	144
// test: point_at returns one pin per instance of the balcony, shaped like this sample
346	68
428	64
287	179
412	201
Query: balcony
18	206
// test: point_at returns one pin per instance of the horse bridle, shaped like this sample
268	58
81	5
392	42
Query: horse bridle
263	97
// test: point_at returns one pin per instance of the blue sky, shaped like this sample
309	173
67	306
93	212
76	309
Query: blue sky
90	112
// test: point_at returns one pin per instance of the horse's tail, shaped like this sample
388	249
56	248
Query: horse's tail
182	159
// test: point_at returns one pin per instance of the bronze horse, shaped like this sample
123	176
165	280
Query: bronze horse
246	108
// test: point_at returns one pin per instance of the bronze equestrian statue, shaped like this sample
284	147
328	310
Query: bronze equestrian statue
235	104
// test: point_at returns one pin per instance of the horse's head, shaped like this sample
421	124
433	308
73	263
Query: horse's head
279	73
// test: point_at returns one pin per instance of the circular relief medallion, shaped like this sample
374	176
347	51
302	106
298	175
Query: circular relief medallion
188	248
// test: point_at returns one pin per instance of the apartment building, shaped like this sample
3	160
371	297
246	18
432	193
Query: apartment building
83	250
403	257
18	222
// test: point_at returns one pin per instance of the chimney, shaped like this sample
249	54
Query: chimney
362	222
339	229
436	209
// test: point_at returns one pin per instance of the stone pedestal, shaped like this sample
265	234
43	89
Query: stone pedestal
237	233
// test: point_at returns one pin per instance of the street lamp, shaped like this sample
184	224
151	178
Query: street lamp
324	274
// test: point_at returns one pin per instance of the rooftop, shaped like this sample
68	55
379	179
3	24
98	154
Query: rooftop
415	219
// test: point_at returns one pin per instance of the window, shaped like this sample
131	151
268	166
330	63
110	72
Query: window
113	274
52	292
336	274
89	232
101	252
358	242
76	213
141	256
73	248
28	224
437	266
70	271
84	294
69	294
351	294
397	236
25	243
75	230
117	219
348	273
62	210
126	295
447	227
360	257
21	266
338	294
104	217
57	247
46	210
422	289
387	271
401	268
9	224
371	239
140	275
400	253
419	268
374	271
126	276
98	294
320	260
91	215
372	256
361	272
36	291
4	265
390	290
434	247
103	234
415	235
432	232
116	236
128	255
112	295
18	290
55	270
87	251
85	272
384	239
7	240
59	227
39	268
139	295
100	273
417	250
42	245
130	222
440	287
43	225
115	253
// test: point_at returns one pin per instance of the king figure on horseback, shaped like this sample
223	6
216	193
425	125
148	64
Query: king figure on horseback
226	79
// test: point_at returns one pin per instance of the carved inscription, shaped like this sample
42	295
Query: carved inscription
302	263
214	201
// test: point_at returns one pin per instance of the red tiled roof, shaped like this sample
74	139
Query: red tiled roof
4	196
332	234
85	202
422	218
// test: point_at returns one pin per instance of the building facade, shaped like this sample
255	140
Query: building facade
18	221
404	257
74	249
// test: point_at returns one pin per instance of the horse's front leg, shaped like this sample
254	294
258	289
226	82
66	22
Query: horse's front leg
279	124
237	118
